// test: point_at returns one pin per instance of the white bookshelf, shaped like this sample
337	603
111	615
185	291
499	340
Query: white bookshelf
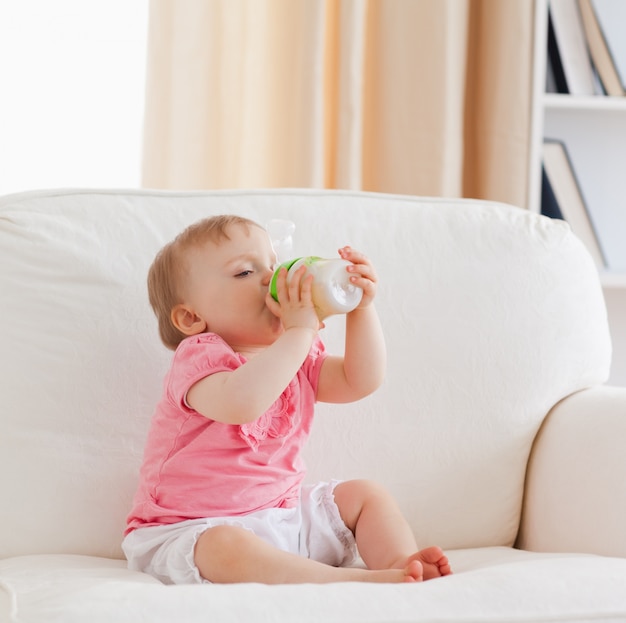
594	131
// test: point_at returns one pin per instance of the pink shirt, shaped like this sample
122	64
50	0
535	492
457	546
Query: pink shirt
195	467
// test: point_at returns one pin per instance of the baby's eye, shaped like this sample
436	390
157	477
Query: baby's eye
244	273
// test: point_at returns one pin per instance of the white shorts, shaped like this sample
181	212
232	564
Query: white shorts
314	530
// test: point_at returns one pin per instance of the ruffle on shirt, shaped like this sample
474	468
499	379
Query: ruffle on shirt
276	422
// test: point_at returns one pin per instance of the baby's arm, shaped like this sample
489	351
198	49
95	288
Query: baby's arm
362	368
243	395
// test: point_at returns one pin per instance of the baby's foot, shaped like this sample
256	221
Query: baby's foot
434	562
414	571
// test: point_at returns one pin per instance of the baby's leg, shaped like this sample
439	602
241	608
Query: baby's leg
384	538
229	554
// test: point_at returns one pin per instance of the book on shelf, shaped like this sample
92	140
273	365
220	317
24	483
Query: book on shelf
611	16
555	74
567	48
598	46
561	197
549	204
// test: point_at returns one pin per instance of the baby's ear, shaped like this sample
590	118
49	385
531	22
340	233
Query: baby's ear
187	321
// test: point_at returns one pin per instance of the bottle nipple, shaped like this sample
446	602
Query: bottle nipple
281	232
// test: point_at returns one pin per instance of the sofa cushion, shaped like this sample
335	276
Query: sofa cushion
492	315
490	584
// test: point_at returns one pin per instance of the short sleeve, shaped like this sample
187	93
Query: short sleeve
313	363
195	358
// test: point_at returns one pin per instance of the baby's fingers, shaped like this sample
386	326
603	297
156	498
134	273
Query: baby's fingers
281	285
300	286
362	265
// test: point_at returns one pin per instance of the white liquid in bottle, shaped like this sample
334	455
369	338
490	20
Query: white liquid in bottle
332	291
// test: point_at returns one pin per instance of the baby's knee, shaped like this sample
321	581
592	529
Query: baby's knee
220	542
361	489
217	547
353	496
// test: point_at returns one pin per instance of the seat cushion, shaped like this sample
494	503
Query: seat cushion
490	584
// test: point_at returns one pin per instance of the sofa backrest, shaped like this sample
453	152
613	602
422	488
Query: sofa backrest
492	315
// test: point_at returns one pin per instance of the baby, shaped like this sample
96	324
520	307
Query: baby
221	496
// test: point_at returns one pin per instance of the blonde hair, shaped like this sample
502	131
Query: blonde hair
169	268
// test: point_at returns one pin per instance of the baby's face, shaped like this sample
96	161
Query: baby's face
227	286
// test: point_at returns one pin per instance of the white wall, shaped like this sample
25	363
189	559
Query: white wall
72	75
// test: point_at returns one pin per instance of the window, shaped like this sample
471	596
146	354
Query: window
72	75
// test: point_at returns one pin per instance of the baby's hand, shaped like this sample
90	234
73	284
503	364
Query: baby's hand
295	303
362	274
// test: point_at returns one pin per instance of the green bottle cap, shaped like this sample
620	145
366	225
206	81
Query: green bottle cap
288	264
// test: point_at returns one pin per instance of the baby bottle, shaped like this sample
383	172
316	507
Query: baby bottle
331	290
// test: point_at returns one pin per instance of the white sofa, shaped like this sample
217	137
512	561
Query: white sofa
493	427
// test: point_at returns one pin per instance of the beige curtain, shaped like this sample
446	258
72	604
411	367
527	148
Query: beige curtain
424	97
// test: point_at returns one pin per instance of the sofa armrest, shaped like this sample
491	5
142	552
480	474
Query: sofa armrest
575	498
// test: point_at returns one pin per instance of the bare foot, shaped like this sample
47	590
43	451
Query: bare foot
414	571
434	562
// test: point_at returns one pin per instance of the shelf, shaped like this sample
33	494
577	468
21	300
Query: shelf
594	131
556	101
